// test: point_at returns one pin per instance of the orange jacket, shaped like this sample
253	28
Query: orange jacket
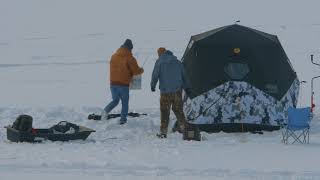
122	67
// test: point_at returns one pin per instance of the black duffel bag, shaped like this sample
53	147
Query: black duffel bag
64	127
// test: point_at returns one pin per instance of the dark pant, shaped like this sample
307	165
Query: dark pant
174	100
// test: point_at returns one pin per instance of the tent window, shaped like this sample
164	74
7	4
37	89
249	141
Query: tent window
237	71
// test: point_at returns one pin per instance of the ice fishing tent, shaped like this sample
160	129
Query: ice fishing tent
241	79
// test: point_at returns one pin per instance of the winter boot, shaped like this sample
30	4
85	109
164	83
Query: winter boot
123	121
178	128
175	127
161	135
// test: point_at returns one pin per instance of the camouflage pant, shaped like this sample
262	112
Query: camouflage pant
167	101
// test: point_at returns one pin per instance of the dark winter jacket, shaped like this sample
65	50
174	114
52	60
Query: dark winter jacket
170	73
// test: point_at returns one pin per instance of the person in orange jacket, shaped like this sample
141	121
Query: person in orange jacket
123	66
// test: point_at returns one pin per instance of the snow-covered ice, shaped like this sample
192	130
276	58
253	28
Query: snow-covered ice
133	151
53	66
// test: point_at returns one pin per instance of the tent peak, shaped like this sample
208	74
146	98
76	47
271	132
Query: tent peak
206	34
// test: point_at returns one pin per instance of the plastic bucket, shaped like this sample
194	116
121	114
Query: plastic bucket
136	82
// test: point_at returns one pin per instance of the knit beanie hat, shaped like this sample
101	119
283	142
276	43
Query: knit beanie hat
127	44
161	50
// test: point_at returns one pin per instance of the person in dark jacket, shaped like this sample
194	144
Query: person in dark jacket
169	71
123	66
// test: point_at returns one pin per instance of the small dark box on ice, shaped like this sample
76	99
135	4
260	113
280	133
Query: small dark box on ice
192	132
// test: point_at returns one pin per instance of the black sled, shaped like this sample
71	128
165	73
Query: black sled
22	131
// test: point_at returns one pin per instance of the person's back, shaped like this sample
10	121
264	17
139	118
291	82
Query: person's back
122	67
169	71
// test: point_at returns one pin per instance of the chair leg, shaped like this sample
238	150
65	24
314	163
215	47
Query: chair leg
286	136
283	132
308	135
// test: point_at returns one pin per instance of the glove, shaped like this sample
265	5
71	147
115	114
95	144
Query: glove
153	89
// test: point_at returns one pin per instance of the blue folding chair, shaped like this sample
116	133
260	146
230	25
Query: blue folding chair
298	125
